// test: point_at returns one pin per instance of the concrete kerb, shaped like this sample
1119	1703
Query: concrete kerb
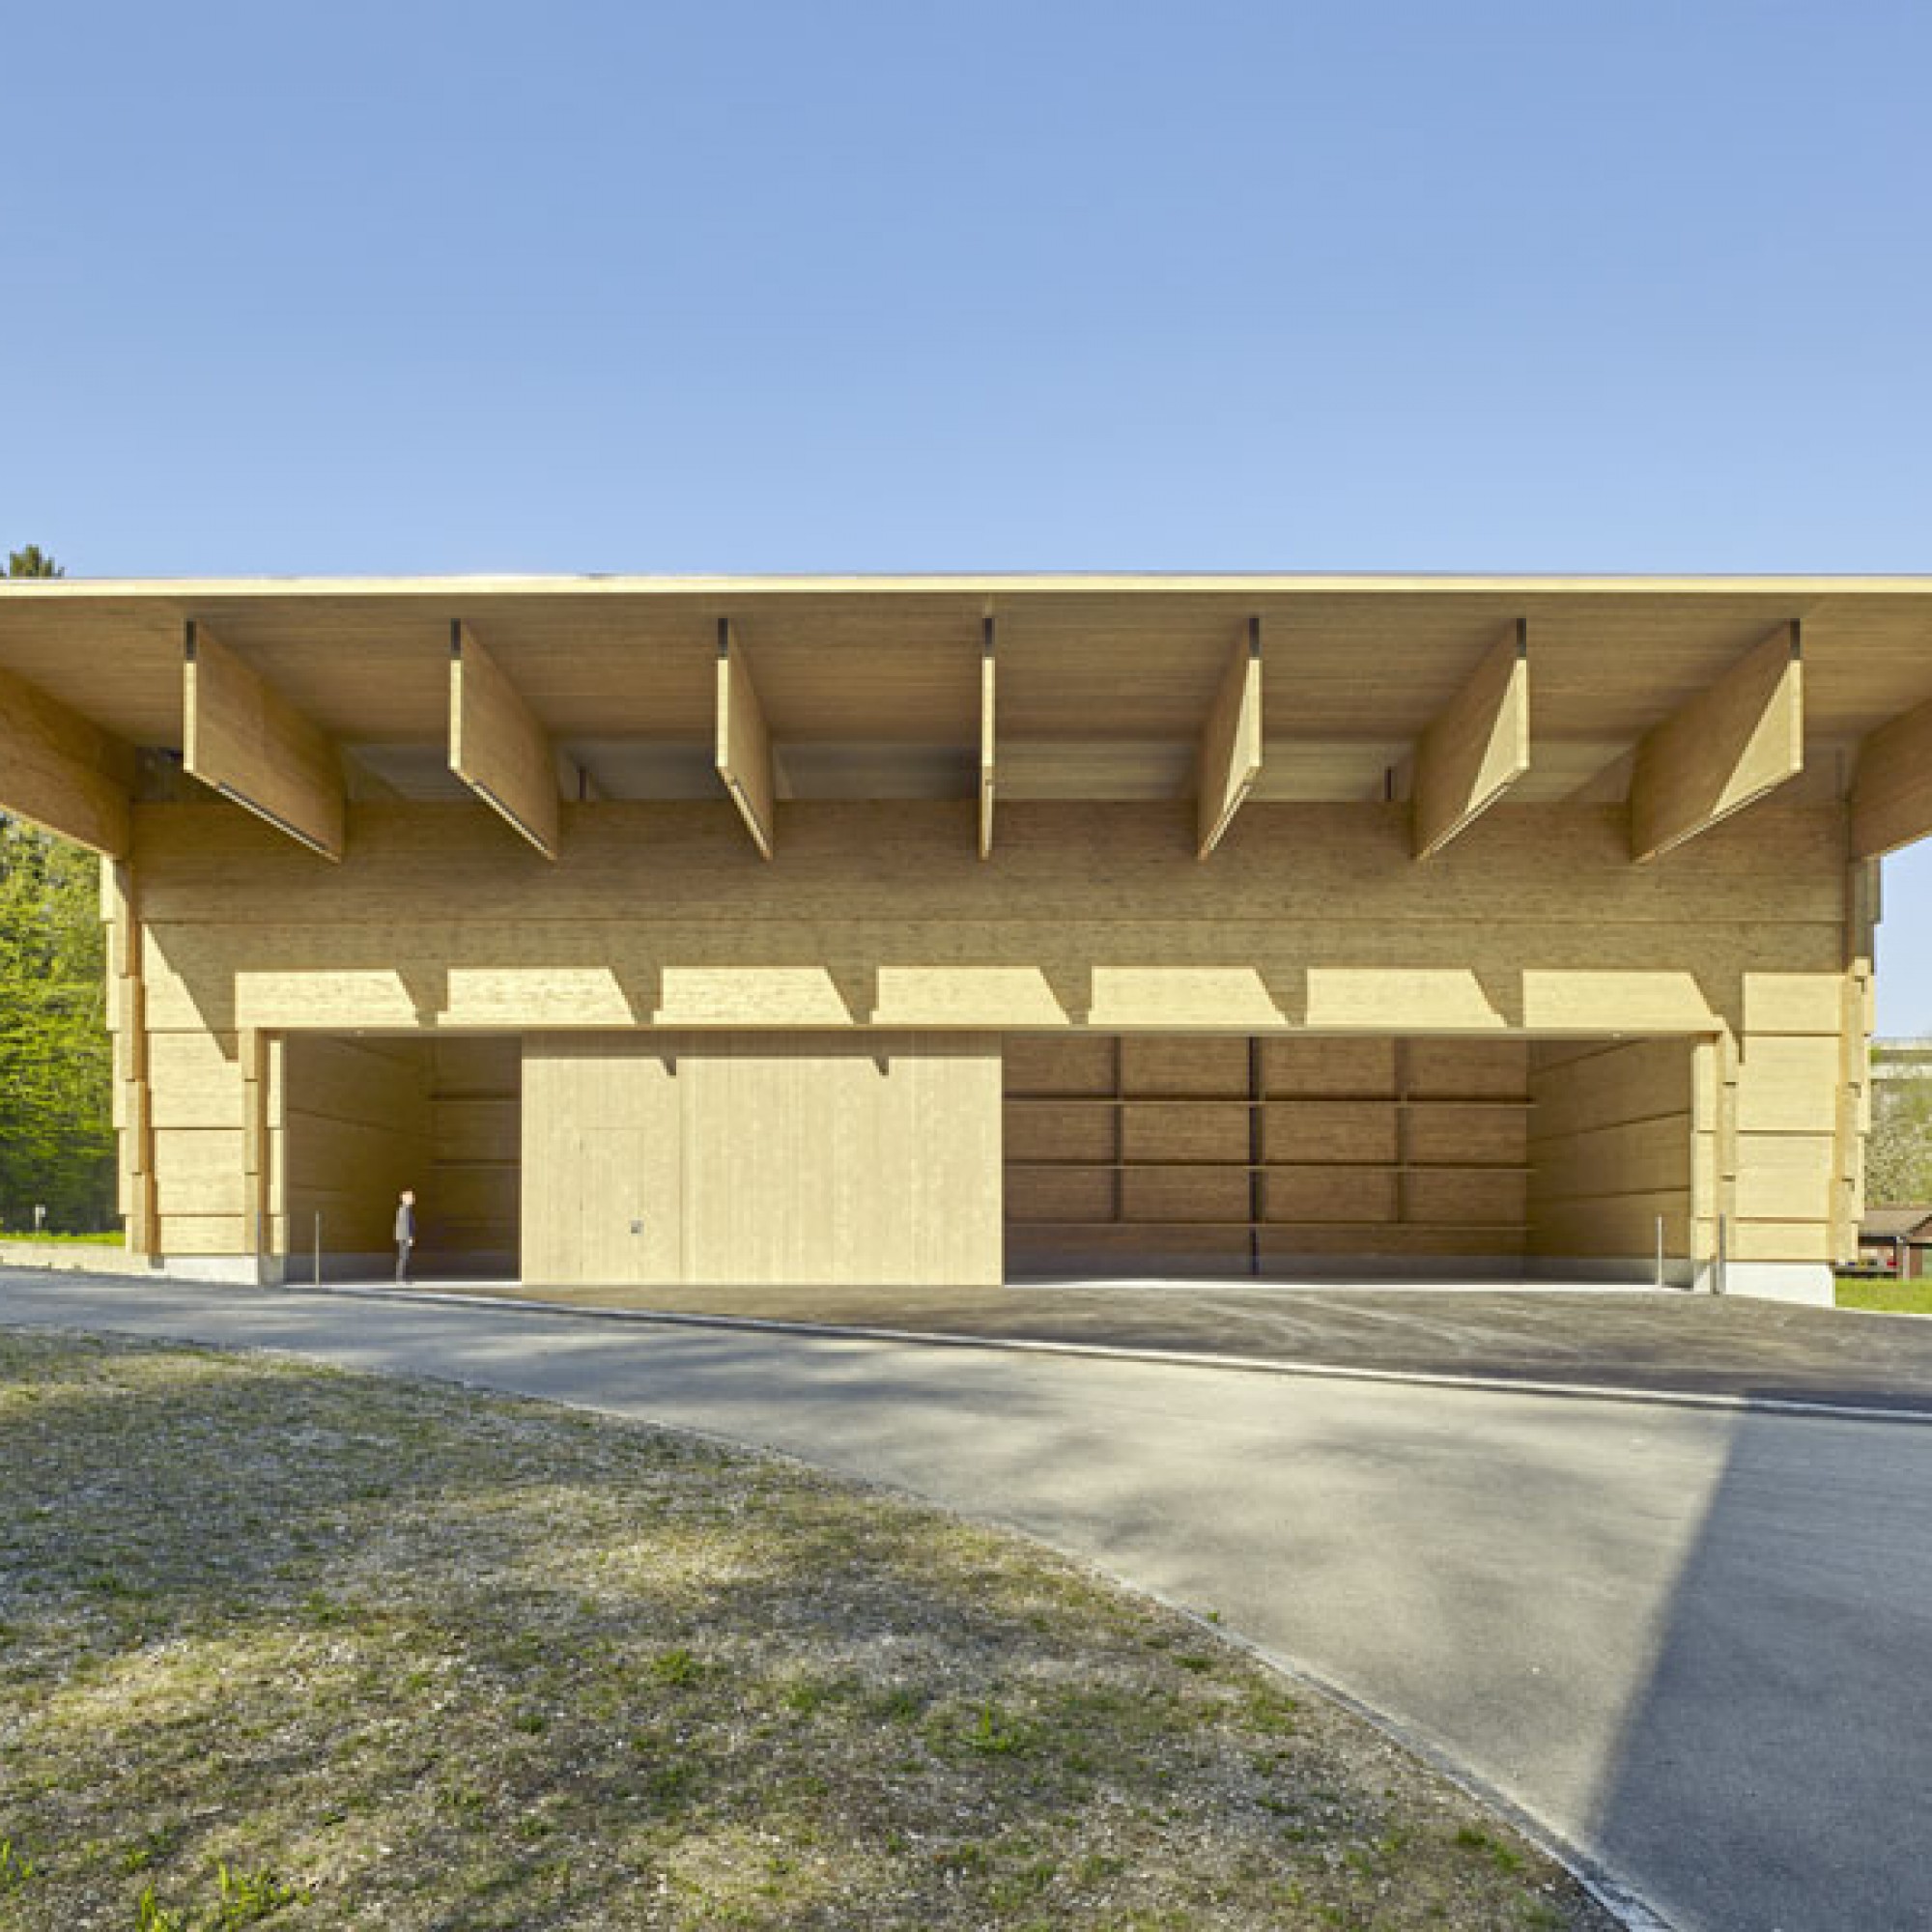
1748	1404
1614	1894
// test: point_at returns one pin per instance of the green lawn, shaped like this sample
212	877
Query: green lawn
110	1240
281	1645
1891	1297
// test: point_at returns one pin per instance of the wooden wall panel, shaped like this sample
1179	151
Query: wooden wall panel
1059	1063
1465	1069
1466	1198
1611	1150
468	1131
603	1152
353	1121
1038	1130
1091	920
1788	1085
840	1140
1443	1131
1232	1149
820	1158
1203	1131
196	1079
1184	1253
1558	868
1331	1194
1326	1068
198	1171
1205	1069
1061	1194
1785	1176
1167	1194
221	1234
1330	1130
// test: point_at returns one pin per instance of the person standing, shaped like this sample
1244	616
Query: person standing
406	1233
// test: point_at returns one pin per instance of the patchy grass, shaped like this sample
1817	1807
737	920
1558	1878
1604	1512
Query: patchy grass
280	1646
46	1239
1887	1298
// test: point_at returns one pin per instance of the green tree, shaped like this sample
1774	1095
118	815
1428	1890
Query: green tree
1898	1156
56	1066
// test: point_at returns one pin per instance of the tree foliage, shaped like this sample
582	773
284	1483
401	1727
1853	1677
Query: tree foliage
56	1069
1899	1156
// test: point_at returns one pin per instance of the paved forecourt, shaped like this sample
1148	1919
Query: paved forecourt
1690	1641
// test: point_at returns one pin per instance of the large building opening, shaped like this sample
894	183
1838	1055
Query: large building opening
363	1117
1374	1157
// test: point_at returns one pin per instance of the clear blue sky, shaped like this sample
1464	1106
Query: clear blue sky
1634	285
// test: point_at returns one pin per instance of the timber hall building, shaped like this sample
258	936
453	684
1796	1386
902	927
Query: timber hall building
674	935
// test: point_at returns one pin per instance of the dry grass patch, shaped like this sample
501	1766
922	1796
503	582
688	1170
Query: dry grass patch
284	1646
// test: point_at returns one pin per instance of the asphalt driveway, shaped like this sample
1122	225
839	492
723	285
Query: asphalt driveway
1691	1642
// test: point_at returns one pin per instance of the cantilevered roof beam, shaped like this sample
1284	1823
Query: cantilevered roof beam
1229	756
1477	747
1892	789
1730	745
62	772
744	742
989	742
496	747
248	741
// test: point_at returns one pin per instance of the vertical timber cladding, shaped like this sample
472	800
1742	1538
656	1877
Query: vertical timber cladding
864	1159
1239	1156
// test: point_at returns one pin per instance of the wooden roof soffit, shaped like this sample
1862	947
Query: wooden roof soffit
1476	748
496	747
1892	788
243	738
62	772
988	641
1230	758
744	742
1729	746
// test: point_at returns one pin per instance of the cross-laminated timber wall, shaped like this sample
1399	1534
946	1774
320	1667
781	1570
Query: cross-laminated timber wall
1309	919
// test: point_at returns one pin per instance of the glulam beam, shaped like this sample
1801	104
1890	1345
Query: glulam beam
1230	756
744	742
1477	747
988	738
496	747
244	739
1892	788
1727	747
62	772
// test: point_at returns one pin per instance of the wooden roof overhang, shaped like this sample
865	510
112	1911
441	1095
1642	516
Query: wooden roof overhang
1688	696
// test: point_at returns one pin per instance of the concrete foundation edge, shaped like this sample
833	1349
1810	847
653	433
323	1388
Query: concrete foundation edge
1809	1284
